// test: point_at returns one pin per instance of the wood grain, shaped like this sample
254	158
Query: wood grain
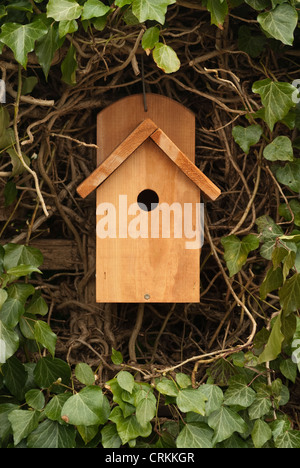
129	269
189	169
118	120
117	157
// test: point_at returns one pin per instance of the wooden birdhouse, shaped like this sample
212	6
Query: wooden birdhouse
149	223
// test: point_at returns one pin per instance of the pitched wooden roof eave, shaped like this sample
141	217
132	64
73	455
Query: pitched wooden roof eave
145	130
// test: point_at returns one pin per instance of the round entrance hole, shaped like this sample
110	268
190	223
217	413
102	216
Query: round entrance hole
148	200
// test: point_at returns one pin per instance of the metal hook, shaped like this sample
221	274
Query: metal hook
144	86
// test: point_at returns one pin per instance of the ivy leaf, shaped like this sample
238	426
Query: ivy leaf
21	38
84	374
151	9
9	342
277	98
280	23
261	433
218	10
252	45
89	407
51	434
46	48
289	294
237	251
23	423
94	9
286	214
55	405
290	175
195	436
110	437
45	336
145	410
214	397
273	346
166	58
3	297
280	149
190	399
239	393
16	254
272	281
289	439
248	136
126	381
35	399
69	67
225	422
48	370
150	38
63	10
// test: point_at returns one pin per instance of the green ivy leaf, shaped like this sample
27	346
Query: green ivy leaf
110	437
45	336
129	428
167	387
94	9
290	175
280	23
237	251
3	297
261	433
225	422
21	38
289	294
151	9
195	436
46	47
63	10
84	374
289	439
280	149
51	434
239	393
48	370
145	411
9	342
218	10
166	58
15	377
286	214
272	281
116	357
35	399
191	399
89	407
150	38
23	423
273	346
252	45
69	67
55	405
126	381
16	254
277	99
214	397
247	137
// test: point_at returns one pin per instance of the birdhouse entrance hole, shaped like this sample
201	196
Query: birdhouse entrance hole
148	200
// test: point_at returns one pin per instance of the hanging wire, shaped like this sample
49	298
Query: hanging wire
144	86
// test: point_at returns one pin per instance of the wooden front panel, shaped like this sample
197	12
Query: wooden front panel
147	269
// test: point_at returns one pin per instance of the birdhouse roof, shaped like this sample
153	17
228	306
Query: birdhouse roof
148	129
